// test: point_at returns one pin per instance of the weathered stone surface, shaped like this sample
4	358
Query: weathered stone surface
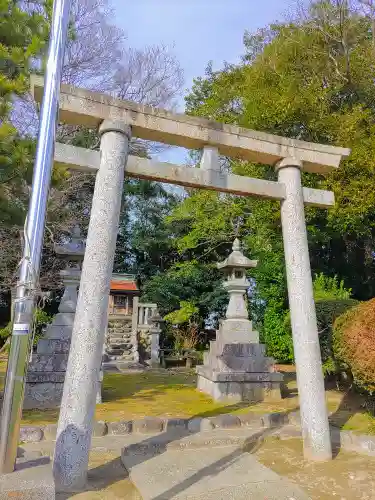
148	425
273	419
226	421
237	330
53	346
41	377
238	390
200	425
121	340
206	425
31	434
48	363
50	432
28	454
214	473
359	443
294	418
120	428
240	363
250	419
87	160
43	395
99	428
243	350
33	481
175	423
194	425
311	392
239	376
62	319
60	332
190	132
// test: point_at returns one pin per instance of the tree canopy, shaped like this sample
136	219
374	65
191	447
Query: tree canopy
312	79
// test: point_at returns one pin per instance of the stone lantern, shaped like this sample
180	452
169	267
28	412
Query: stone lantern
236	282
236	368
73	253
46	373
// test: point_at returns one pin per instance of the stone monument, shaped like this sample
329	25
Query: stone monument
46	373
236	368
155	330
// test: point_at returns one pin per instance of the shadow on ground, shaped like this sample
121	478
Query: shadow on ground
149	451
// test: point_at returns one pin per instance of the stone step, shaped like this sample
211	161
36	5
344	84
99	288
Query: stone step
121	333
118	345
120	336
126	338
119	326
206	474
120	357
115	352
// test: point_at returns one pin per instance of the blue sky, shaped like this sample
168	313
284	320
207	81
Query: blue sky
198	30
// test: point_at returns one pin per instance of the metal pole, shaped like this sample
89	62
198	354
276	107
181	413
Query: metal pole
29	273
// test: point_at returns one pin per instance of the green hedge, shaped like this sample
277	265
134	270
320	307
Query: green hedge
277	334
277	330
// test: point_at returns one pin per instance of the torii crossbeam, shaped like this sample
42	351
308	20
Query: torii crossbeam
119	120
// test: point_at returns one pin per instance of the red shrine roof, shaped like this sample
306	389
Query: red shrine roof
123	283
123	286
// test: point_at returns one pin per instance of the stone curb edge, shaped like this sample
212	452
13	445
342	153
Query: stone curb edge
347	440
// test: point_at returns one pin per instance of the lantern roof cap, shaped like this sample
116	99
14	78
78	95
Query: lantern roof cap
237	258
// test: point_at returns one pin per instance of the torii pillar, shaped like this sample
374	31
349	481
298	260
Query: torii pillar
76	418
311	392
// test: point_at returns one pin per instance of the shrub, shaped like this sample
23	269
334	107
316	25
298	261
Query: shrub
328	288
277	334
327	311
354	344
185	324
331	299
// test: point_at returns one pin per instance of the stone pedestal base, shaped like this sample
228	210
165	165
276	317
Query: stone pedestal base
46	375
237	387
238	371
43	388
42	396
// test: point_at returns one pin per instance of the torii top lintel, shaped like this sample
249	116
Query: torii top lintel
82	107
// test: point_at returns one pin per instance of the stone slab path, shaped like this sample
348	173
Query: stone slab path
207	465
217	473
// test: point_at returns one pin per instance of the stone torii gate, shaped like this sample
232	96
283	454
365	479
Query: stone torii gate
119	120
